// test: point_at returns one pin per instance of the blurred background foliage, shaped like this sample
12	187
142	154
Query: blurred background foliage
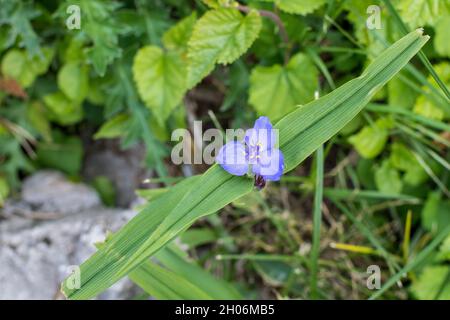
125	75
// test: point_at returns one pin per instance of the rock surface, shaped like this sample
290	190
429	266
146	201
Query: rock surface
52	228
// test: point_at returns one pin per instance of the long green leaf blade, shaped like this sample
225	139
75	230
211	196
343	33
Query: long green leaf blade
301	133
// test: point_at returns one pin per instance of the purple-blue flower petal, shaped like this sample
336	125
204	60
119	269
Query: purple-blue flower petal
270	165
262	134
232	158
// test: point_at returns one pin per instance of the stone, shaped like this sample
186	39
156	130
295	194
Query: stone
36	254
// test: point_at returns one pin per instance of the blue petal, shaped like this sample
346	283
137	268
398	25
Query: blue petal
261	134
270	165
232	158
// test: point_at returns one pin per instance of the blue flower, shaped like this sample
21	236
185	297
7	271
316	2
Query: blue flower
256	154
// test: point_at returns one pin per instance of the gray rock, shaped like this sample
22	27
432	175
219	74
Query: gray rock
36	254
49	195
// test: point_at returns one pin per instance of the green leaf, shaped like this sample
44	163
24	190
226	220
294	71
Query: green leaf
178	278
433	283
387	179
220	36
370	140
164	284
403	159
435	215
4	190
427	109
301	133
370	38
36	115
40	64
18	15
214	4
17	65
105	189
400	94
198	236
14	65
150	194
442	38
275	273
115	127
160	79
418	13
73	81
444	250
63	110
178	262
99	22
65	154
101	55
277	90
302	7
187	200
177	37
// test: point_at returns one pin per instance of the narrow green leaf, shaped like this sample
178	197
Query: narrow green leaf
304	129
214	287
164	284
423	9
301	132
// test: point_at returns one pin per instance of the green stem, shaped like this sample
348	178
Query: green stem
317	220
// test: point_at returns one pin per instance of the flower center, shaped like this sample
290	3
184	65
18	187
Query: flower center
253	152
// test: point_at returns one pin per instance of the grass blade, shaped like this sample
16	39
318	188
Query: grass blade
421	55
407	236
317	221
410	266
178	278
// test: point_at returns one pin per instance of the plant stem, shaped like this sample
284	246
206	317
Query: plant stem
276	19
317	220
